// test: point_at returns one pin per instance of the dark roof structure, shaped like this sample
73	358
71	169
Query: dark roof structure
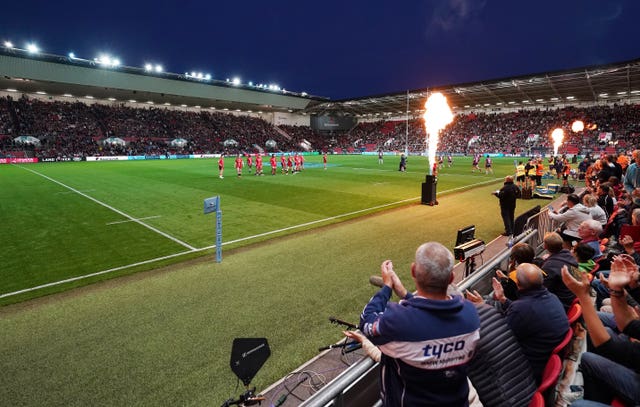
57	75
617	82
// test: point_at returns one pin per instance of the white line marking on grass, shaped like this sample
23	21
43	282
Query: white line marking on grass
337	216
125	221
71	192
180	242
68	280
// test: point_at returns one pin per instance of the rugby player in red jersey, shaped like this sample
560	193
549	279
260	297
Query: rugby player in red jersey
239	165
221	165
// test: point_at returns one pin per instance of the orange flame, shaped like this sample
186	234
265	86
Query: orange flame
557	135
436	116
577	126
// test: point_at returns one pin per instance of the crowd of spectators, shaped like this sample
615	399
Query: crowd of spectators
507	133
74	128
78	129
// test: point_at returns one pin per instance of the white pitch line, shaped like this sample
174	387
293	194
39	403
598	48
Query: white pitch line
125	221
68	280
71	192
188	246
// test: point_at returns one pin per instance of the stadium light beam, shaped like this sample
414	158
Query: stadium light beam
436	117
8	44
32	48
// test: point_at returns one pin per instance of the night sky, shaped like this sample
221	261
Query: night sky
337	49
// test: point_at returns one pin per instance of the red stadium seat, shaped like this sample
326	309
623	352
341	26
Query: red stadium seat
630	230
565	341
537	400
618	403
551	373
574	313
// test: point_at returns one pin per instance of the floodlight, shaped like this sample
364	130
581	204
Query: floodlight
183	105
207	77
41	92
305	94
33	48
68	95
250	83
72	55
236	81
193	74
8	44
159	68
148	67
105	59
11	90
89	97
112	99
200	76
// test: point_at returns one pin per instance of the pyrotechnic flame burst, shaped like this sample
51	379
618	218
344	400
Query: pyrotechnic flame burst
557	135
577	126
436	116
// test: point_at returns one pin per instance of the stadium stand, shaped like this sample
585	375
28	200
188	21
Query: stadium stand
77	129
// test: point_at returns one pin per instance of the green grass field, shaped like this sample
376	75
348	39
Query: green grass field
163	337
68	220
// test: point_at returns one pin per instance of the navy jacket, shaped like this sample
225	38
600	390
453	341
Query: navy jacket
426	346
553	280
539	322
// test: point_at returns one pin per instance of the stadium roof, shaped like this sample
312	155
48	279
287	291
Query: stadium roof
62	75
55	75
617	82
